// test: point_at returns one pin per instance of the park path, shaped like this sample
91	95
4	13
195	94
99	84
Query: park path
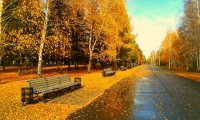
160	94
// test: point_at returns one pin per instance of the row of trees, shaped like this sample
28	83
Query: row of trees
181	48
36	32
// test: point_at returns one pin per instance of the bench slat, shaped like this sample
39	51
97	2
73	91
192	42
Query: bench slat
50	84
107	72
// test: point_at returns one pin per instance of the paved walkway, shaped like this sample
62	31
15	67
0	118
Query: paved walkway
160	95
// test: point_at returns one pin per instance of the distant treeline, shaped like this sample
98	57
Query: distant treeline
181	48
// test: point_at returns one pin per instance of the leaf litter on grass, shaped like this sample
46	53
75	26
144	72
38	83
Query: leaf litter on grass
94	86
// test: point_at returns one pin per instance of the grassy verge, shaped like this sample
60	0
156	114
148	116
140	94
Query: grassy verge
11	75
94	86
190	75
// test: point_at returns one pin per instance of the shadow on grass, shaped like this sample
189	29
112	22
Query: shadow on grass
53	95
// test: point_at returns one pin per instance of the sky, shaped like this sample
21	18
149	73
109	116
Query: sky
151	19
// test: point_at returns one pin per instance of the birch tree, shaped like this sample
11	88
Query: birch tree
96	13
1	42
198	38
43	38
185	43
191	32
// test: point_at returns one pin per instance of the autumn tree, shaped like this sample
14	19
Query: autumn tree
96	12
36	32
21	23
58	33
153	57
189	33
168	54
1	42
181	48
43	37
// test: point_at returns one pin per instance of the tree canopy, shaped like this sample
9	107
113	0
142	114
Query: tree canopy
181	48
67	32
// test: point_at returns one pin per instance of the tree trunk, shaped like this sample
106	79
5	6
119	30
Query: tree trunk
91	48
27	67
69	65
85	64
48	61
90	61
4	68
19	67
19	70
198	57
39	70
58	64
101	65
179	66
77	65
93	64
159	59
169	53
1	10
1	62
1	52
61	69
19	64
115	65
3	65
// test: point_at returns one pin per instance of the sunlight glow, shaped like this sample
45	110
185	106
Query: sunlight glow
151	19
151	33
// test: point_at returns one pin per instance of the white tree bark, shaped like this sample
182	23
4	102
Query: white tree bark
1	11
170	52
198	41
91	49
198	69
39	69
159	58
92	45
197	58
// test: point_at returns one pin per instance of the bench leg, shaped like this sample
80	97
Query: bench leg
70	89
79	86
66	90
57	93
44	98
60	93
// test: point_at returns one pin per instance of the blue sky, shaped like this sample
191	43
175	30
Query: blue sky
151	19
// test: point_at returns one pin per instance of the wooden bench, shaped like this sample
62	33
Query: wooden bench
51	84
122	68
108	72
130	66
